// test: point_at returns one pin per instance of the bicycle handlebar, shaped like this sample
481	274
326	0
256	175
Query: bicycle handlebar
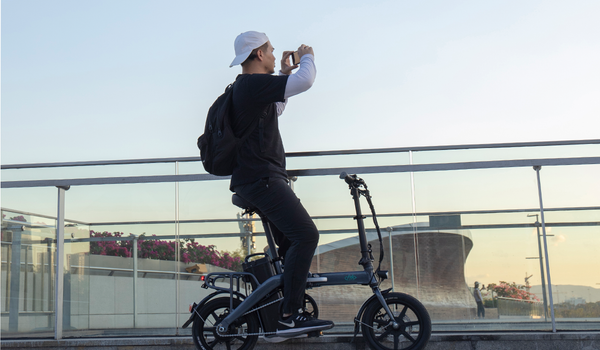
351	179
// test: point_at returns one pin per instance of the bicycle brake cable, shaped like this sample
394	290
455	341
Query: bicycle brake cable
367	195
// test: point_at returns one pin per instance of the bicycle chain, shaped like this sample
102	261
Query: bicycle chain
260	307
244	334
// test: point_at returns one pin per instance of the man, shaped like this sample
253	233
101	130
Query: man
479	301
260	177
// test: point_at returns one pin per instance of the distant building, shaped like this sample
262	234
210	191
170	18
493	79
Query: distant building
575	301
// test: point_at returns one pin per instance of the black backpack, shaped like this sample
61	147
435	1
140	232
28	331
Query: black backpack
218	145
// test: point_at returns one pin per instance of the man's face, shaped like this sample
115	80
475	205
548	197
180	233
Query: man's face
269	58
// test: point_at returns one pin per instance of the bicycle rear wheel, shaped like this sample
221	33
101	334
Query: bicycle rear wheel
413	325
204	330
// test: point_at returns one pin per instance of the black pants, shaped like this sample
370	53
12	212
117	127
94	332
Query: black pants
480	310
276	200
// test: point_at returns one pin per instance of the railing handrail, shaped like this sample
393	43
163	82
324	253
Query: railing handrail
309	153
513	163
316	217
520	300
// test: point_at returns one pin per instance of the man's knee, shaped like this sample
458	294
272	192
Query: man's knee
308	239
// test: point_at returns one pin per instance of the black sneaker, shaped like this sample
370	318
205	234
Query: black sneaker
300	323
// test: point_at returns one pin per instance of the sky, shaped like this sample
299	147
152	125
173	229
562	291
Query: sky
107	80
101	80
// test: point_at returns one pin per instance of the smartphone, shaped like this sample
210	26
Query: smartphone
295	58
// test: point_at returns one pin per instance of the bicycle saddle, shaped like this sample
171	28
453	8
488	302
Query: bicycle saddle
242	203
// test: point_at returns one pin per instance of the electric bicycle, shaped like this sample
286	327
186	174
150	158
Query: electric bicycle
233	318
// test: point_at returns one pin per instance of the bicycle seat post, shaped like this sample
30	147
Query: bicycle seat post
271	241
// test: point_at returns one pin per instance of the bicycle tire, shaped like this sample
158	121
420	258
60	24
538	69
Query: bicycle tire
310	306
204	331
414	324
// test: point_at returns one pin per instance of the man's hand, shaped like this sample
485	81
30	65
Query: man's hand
286	68
304	49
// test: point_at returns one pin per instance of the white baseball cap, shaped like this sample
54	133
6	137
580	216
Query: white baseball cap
245	43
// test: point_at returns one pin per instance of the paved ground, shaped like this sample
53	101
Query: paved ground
447	341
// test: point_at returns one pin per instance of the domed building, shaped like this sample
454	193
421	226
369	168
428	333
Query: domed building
428	263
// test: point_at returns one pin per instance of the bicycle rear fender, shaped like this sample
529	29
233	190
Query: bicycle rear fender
195	310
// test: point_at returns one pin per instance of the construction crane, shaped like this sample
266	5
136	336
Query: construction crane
527	281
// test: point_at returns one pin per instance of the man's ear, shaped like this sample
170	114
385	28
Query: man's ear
260	54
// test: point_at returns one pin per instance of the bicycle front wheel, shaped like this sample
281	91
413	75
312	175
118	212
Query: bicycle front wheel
409	329
239	335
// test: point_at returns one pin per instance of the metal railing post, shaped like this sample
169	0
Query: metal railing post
134	247
537	171
15	280
177	252
389	230
60	257
537	227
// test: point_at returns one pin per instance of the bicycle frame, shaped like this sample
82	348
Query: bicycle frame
365	277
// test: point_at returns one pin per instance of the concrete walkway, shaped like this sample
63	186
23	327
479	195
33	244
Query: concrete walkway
456	341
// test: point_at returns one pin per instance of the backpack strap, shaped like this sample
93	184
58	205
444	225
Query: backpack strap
256	122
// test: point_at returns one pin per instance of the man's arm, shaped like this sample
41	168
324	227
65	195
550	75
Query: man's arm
303	79
281	105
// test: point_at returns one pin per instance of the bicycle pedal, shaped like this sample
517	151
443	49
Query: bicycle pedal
315	334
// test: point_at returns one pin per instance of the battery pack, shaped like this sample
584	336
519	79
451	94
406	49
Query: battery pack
263	269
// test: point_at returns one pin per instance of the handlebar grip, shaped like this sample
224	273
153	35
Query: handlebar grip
351	178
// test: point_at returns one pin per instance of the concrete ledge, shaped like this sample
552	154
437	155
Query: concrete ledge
456	341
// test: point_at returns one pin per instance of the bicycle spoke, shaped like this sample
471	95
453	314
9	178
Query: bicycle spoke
228	344
408	336
403	313
396	340
381	322
384	335
215	342
413	323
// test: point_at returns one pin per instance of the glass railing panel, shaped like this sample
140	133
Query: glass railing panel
28	275
467	190
121	203
110	283
328	199
573	239
339	251
158	263
77	278
329	195
191	167
505	153
473	220
573	256
206	200
36	200
120	302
